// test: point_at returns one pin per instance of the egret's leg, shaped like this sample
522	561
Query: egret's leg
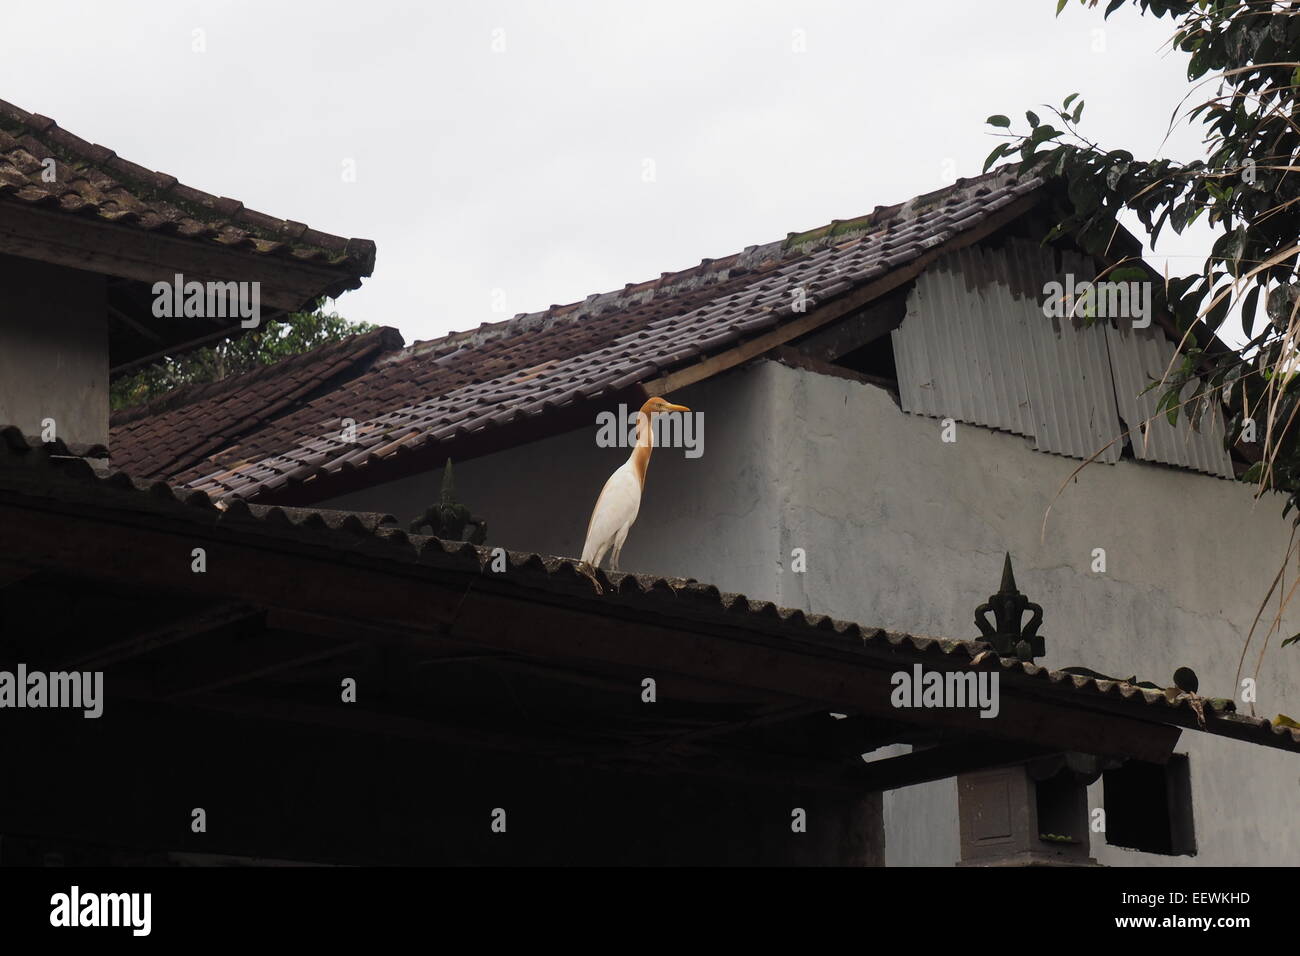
618	548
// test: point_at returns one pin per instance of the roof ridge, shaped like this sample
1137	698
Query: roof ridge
708	271
794	245
840	230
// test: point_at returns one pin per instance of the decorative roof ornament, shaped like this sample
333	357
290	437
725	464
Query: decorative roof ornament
449	519
1008	606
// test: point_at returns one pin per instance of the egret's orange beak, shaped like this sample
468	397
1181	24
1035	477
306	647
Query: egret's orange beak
676	408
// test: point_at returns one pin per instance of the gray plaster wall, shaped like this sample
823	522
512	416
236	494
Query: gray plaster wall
53	350
905	531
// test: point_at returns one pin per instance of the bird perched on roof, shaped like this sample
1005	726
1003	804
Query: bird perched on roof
620	499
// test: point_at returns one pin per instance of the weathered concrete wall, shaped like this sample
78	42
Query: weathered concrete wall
905	531
919	527
53	350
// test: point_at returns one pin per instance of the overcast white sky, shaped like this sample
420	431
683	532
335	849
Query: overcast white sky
522	169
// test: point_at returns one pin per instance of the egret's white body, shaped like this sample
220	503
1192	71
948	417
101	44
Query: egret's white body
620	500
615	510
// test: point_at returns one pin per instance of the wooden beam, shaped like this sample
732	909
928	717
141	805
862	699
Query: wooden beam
228	332
243	664
323	625
779	714
789	355
119	316
939	763
850	736
192	625
353	718
720	761
433	650
855	330
843	678
647	636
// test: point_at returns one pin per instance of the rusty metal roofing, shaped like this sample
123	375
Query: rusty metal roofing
976	347
32	472
503	373
91	180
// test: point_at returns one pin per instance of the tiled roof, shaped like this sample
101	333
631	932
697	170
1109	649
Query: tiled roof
175	432
92	180
49	471
502	373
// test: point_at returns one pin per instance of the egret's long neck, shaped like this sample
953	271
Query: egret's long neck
640	457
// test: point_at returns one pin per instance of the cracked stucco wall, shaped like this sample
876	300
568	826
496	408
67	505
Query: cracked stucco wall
904	531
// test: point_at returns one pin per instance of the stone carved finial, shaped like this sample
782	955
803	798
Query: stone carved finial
1008	607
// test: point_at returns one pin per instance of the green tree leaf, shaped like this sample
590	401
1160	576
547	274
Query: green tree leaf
266	345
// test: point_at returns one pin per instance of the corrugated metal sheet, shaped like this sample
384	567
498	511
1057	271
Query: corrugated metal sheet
1139	357
976	347
973	350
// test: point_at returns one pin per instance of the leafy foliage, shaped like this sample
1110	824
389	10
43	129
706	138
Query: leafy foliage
269	343
1247	56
